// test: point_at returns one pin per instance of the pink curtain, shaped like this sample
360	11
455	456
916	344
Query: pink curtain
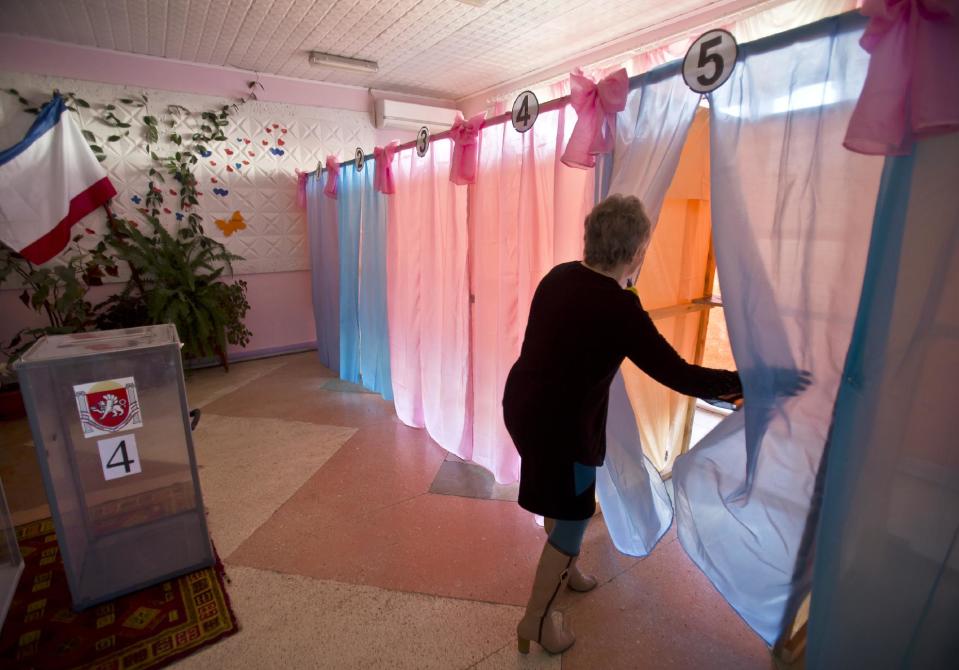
428	297
912	89
526	215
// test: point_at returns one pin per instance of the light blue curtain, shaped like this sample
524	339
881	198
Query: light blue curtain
353	186
650	134
635	503
374	323
886	581
364	331
791	212
325	269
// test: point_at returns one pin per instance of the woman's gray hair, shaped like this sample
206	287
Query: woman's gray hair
614	231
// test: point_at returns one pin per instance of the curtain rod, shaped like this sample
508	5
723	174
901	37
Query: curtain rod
845	21
556	103
548	106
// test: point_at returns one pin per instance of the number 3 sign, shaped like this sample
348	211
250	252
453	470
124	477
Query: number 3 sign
710	61
422	141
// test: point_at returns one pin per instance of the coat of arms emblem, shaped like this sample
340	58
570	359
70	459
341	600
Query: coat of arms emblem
108	406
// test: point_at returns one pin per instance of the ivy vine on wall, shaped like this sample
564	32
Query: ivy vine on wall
174	276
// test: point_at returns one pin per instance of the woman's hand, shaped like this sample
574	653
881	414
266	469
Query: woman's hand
788	383
731	401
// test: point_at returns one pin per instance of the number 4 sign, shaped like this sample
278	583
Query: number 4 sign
710	61
525	111
119	456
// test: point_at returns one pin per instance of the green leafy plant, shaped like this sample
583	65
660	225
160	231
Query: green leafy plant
178	281
174	277
58	292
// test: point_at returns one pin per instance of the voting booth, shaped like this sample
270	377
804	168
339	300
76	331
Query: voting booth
110	422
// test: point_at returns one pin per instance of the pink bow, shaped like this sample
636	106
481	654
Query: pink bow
301	178
383	177
911	87
596	106
332	177
465	136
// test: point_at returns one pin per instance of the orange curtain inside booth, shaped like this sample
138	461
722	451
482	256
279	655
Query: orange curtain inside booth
674	274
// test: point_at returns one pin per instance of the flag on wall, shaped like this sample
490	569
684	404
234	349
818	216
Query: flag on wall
48	181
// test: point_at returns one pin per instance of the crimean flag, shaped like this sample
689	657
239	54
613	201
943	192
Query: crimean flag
48	181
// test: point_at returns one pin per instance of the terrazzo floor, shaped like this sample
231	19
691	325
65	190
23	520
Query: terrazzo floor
354	541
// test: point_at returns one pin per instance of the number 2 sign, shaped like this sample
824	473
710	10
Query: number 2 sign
710	61
119	456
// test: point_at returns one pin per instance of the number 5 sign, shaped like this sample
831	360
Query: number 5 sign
710	61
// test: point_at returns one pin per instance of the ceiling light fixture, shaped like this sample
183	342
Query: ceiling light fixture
342	62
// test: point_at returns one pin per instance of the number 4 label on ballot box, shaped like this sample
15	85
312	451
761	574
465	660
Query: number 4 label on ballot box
119	456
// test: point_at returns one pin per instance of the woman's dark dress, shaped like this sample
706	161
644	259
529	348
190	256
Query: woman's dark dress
581	326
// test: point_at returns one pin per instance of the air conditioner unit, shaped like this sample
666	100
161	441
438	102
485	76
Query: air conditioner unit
398	115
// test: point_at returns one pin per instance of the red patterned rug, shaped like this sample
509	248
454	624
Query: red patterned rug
147	629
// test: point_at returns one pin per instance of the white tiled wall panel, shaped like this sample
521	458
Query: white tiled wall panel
255	164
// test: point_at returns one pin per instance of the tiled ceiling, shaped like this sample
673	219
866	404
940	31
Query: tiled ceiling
443	48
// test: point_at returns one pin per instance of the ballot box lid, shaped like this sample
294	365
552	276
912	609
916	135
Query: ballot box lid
97	343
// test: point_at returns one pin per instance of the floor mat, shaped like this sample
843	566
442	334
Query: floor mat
147	629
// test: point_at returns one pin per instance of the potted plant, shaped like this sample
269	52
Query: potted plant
59	293
175	276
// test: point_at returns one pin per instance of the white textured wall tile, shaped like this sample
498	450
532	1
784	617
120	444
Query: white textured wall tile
255	165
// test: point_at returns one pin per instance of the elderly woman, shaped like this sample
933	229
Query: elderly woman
582	324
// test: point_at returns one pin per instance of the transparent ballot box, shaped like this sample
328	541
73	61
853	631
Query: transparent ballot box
109	417
11	562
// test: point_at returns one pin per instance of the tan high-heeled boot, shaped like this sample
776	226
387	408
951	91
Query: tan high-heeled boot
541	622
577	580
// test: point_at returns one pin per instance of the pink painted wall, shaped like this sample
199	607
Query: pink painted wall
281	311
280	316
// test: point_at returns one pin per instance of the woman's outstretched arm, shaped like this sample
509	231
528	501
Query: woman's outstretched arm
648	349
